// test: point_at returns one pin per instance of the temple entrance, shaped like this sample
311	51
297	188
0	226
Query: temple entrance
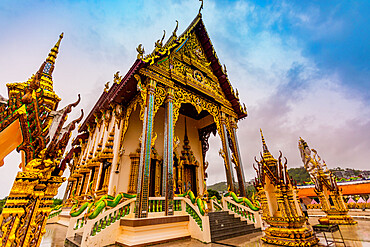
152	178
155	186
190	179
215	172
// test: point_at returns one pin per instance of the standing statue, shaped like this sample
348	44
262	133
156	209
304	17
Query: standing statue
280	206
326	187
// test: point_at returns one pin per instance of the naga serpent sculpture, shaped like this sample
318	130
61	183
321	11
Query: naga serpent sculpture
254	206
94	208
195	200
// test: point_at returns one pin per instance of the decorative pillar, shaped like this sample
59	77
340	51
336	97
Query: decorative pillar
83	184
67	192
144	171
167	178
135	160
73	188
237	158
78	184
226	155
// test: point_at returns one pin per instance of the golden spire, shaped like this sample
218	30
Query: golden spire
54	51
267	156
46	82
305	145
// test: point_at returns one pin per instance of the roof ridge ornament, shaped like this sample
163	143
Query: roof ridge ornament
200	9
174	31
159	43
140	50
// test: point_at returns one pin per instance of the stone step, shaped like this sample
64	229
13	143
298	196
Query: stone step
224	225
227	235
225	221
221	227
231	229
149	231
78	238
70	242
217	214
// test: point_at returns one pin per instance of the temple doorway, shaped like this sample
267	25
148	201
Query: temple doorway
190	178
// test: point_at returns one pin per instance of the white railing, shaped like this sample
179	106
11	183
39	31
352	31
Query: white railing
54	213
245	213
216	206
198	224
109	219
90	229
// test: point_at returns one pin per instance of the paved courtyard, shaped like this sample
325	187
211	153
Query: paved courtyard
354	236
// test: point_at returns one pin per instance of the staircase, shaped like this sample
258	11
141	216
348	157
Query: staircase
224	225
74	241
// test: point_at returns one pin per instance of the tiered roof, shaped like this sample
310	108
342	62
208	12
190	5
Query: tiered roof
126	88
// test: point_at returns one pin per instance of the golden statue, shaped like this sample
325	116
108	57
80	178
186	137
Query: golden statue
326	187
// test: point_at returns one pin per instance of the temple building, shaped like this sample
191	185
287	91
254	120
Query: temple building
148	133
147	137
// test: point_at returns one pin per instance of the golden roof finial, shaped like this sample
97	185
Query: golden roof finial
266	153
54	51
263	139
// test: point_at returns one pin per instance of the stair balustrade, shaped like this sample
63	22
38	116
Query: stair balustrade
109	219
245	213
217	205
156	204
177	205
54	213
89	229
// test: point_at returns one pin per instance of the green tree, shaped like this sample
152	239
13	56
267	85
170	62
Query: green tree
214	193
299	174
56	202
250	191
2	203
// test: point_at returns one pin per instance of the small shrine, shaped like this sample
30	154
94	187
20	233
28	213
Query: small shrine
31	124
279	202
326	187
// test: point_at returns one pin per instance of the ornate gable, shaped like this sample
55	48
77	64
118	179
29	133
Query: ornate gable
188	60
187	64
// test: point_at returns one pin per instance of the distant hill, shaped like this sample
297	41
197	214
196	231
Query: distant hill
299	174
221	186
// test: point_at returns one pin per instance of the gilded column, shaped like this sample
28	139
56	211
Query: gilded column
85	181
67	192
226	154
239	166
167	178
135	160
144	171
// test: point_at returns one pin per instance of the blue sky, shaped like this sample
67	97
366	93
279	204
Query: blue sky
301	67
